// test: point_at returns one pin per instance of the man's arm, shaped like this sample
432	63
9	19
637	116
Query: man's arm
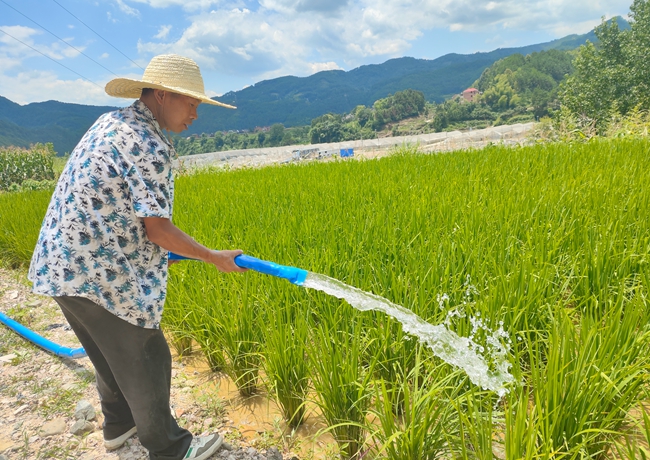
165	234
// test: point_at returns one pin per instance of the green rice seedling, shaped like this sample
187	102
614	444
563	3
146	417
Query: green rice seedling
285	363
428	419
645	450
182	344
196	312
21	216
590	378
224	319
520	433
340	379
475	438
394	353
175	319
242	338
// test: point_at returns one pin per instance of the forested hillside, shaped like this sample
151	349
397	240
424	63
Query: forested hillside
288	101
515	89
60	123
294	101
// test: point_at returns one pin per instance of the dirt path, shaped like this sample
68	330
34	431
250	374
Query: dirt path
39	393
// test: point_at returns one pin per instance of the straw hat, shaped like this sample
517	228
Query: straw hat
169	72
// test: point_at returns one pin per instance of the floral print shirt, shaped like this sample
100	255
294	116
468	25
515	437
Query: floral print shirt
93	241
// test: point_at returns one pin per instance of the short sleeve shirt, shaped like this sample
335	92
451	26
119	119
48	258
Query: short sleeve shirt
93	242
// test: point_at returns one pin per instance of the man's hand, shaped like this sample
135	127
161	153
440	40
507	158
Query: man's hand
165	234
225	260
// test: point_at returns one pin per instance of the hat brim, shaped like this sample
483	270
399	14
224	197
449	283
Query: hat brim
132	89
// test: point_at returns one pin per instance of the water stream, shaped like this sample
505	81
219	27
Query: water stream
445	344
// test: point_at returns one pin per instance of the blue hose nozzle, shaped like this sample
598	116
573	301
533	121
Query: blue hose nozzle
293	274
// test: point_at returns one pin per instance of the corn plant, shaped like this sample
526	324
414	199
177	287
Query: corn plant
18	165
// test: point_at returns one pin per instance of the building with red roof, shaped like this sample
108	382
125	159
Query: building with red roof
470	94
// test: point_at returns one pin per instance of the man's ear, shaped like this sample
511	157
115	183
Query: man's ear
159	95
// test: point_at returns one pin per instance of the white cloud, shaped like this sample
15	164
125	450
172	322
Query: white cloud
163	32
302	6
127	9
295	37
18	43
315	67
247	41
35	85
188	5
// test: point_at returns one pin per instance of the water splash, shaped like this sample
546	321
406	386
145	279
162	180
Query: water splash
445	344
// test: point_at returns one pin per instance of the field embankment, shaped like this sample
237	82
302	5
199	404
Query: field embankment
369	148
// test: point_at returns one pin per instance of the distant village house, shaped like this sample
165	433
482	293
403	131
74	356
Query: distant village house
470	94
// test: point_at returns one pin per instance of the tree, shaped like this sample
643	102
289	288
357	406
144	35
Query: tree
613	77
401	105
326	128
276	134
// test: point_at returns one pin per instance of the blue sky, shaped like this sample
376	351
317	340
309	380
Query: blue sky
67	50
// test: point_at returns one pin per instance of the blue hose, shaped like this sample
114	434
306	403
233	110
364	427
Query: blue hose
42	342
293	274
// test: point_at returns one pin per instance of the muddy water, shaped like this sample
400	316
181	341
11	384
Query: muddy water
257	419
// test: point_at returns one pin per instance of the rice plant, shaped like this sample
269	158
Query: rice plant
21	215
589	377
285	359
341	380
550	242
428	419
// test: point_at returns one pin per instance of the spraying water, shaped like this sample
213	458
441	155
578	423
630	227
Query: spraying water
445	344
461	352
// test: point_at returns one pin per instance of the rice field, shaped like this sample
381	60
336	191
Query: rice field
548	243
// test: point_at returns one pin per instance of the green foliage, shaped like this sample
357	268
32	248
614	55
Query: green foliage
224	141
615	75
327	128
422	429
18	166
362	121
286	368
21	215
529	81
401	105
557	253
567	127
291	101
516	89
275	135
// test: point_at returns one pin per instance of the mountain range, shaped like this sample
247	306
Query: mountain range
292	101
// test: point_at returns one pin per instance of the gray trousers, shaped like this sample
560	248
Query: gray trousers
133	372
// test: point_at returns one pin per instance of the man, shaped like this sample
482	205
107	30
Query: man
102	253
